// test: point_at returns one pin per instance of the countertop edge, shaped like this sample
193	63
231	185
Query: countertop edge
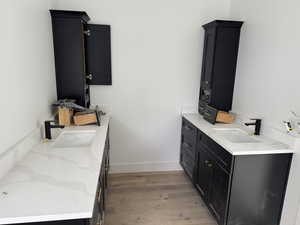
46	218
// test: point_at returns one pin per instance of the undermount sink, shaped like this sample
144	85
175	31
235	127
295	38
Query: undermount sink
71	139
235	135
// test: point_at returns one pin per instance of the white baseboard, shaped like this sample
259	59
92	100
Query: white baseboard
144	167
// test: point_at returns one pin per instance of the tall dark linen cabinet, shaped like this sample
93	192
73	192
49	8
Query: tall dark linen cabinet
82	55
221	43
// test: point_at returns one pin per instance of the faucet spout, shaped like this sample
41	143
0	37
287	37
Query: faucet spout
257	125
48	127
249	124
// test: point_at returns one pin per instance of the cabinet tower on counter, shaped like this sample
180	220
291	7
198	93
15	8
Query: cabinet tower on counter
220	52
82	55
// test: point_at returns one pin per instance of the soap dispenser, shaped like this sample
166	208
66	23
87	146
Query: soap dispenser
295	122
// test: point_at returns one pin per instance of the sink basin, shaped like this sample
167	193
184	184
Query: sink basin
235	135
71	139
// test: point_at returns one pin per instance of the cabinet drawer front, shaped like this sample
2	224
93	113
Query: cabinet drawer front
188	130
188	146
188	162
223	157
210	114
188	157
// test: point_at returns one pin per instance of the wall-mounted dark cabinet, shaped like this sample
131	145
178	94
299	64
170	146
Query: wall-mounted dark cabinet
237	189
82	55
221	42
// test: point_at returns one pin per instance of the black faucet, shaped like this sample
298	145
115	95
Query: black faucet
257	125
48	127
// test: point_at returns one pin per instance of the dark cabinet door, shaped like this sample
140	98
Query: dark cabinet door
204	172
68	41
98	54
207	67
208	58
219	192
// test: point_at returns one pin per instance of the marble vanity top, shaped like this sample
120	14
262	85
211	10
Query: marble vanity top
264	145
54	183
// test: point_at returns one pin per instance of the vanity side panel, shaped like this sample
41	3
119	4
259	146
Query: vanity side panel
258	189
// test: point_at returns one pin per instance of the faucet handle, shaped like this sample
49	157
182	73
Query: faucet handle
256	119
50	121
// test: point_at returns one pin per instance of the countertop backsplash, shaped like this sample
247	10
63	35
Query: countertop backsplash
16	153
11	156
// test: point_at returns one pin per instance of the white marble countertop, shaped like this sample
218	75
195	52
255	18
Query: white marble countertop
54	183
264	145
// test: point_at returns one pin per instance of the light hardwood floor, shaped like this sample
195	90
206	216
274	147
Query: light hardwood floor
154	199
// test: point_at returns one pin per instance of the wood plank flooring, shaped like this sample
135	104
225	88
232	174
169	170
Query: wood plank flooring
166	198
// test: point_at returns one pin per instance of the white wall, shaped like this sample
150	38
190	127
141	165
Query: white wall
156	62
298	218
267	82
27	68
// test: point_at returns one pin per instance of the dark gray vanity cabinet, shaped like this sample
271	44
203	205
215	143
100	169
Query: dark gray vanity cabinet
82	54
237	189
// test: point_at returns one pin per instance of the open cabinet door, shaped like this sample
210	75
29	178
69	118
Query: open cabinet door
98	54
